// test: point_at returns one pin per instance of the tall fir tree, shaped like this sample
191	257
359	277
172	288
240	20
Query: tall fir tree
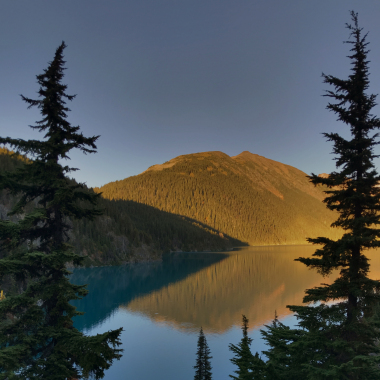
250	367
243	355
37	337
203	366
339	333
284	359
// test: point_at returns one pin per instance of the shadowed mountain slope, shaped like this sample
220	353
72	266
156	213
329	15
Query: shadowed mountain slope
248	197
127	231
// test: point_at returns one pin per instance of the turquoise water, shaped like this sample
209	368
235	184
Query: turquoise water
161	306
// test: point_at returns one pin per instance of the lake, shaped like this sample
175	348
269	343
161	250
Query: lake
162	306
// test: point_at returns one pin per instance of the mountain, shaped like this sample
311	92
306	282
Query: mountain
127	231
247	197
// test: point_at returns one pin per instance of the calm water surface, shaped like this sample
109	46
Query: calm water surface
162	306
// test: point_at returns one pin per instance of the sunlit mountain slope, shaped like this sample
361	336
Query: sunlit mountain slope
127	231
248	197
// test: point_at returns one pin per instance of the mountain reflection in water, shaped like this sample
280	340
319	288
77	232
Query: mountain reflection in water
110	287
254	281
211	290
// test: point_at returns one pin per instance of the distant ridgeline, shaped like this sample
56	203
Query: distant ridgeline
128	231
248	197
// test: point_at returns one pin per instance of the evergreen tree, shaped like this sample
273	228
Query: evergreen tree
285	356
339	340
203	366
250	366
37	337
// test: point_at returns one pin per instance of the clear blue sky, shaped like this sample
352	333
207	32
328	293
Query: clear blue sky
161	78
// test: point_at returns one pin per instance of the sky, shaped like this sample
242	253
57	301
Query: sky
161	78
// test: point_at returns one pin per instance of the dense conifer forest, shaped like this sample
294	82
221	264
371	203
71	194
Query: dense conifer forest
248	197
204	201
128	231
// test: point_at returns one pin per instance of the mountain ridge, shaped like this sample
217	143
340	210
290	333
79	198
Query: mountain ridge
127	231
248	197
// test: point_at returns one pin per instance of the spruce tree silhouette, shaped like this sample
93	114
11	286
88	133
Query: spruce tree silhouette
37	337
340	340
203	366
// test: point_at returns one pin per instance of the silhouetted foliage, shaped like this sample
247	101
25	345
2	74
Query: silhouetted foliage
250	367
37	337
340	340
203	366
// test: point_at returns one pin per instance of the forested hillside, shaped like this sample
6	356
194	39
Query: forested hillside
127	231
248	197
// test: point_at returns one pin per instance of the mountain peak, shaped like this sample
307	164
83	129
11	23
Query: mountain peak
246	153
185	157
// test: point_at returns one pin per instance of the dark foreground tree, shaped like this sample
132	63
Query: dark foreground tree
202	366
37	337
250	367
339	333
